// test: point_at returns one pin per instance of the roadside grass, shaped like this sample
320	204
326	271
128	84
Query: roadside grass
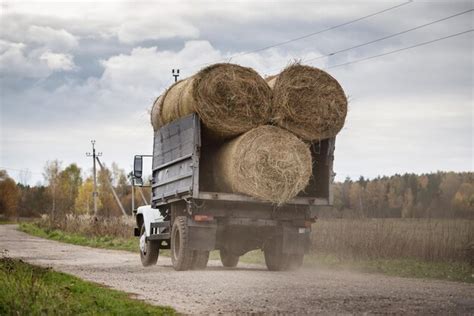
30	290
403	267
6	222
106	242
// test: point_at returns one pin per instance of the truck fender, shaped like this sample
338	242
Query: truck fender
150	215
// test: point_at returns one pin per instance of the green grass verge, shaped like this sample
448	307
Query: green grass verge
403	267
30	290
413	268
106	242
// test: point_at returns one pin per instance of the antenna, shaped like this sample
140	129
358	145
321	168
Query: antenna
175	73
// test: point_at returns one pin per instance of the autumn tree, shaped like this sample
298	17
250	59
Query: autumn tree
69	182
51	176
108	203
463	200
84	203
9	195
34	200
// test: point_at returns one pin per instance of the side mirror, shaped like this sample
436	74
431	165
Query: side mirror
138	167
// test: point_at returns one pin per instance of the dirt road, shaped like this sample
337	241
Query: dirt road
246	289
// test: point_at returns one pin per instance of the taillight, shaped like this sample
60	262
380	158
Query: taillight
203	218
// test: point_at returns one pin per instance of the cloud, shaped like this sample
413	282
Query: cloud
57	40
36	52
159	27
15	62
57	62
18	62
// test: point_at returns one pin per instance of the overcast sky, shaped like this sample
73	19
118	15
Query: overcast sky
72	72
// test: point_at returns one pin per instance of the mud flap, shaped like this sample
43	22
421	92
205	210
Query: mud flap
296	240
202	236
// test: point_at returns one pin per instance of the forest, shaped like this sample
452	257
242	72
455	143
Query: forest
69	190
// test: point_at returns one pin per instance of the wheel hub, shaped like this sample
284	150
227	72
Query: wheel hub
143	243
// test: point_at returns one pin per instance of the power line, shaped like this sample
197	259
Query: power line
388	36
306	35
20	170
399	50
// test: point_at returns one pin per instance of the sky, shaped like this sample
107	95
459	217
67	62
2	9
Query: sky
75	71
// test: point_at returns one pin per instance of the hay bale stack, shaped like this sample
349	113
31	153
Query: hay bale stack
308	102
229	99
267	162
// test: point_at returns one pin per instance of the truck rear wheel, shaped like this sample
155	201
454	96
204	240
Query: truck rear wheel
296	261
276	260
200	260
228	260
181	256
149	249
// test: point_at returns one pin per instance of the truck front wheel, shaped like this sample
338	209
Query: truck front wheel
149	249
228	260
181	256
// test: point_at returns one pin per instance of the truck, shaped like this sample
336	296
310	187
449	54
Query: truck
189	215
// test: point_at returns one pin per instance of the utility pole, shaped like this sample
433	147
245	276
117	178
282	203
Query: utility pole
175	73
94	155
132	180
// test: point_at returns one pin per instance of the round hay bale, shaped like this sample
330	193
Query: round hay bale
155	113
267	162
229	99
308	102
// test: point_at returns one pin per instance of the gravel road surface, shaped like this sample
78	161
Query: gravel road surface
245	289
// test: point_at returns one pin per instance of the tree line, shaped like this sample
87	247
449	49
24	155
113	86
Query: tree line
68	191
440	195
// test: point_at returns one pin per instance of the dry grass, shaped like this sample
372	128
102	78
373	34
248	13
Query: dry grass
429	240
90	226
425	239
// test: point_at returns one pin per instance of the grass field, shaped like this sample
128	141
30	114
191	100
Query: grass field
430	240
329	251
30	290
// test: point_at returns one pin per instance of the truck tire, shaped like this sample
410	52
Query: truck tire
275	259
181	255
149	249
228	260
200	260
296	261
